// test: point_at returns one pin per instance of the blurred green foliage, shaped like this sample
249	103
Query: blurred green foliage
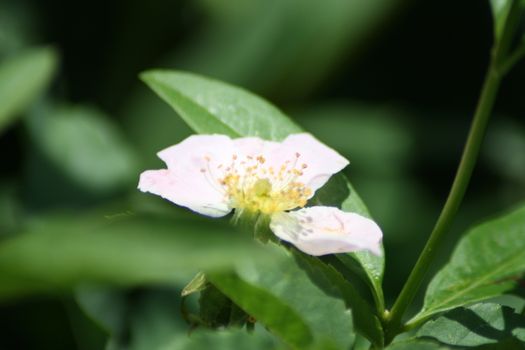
389	84
23	78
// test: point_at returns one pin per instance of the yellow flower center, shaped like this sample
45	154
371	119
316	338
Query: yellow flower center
251	185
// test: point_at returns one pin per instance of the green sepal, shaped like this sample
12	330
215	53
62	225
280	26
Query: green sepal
255	223
214	307
197	284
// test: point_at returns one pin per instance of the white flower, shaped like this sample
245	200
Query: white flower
327	230
213	174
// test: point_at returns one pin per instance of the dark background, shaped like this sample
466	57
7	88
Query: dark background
391	84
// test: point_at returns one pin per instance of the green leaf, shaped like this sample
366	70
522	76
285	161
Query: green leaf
223	340
85	145
268	309
487	262
210	106
476	325
283	298
413	344
333	283
373	265
63	253
22	79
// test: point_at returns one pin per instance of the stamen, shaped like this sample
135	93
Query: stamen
252	186
210	178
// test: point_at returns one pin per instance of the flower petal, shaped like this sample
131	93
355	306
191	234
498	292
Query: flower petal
186	192
255	146
192	180
212	173
190	154
327	230
320	161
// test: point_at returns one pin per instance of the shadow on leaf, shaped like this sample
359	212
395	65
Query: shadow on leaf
481	326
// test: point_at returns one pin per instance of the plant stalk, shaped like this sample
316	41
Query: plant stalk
459	186
497	69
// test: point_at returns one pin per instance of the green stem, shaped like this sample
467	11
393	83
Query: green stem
495	73
379	299
513	59
468	161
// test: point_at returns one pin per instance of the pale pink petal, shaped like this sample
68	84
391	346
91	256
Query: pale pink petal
192	180
316	161
192	153
206	173
327	230
185	191
255	146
